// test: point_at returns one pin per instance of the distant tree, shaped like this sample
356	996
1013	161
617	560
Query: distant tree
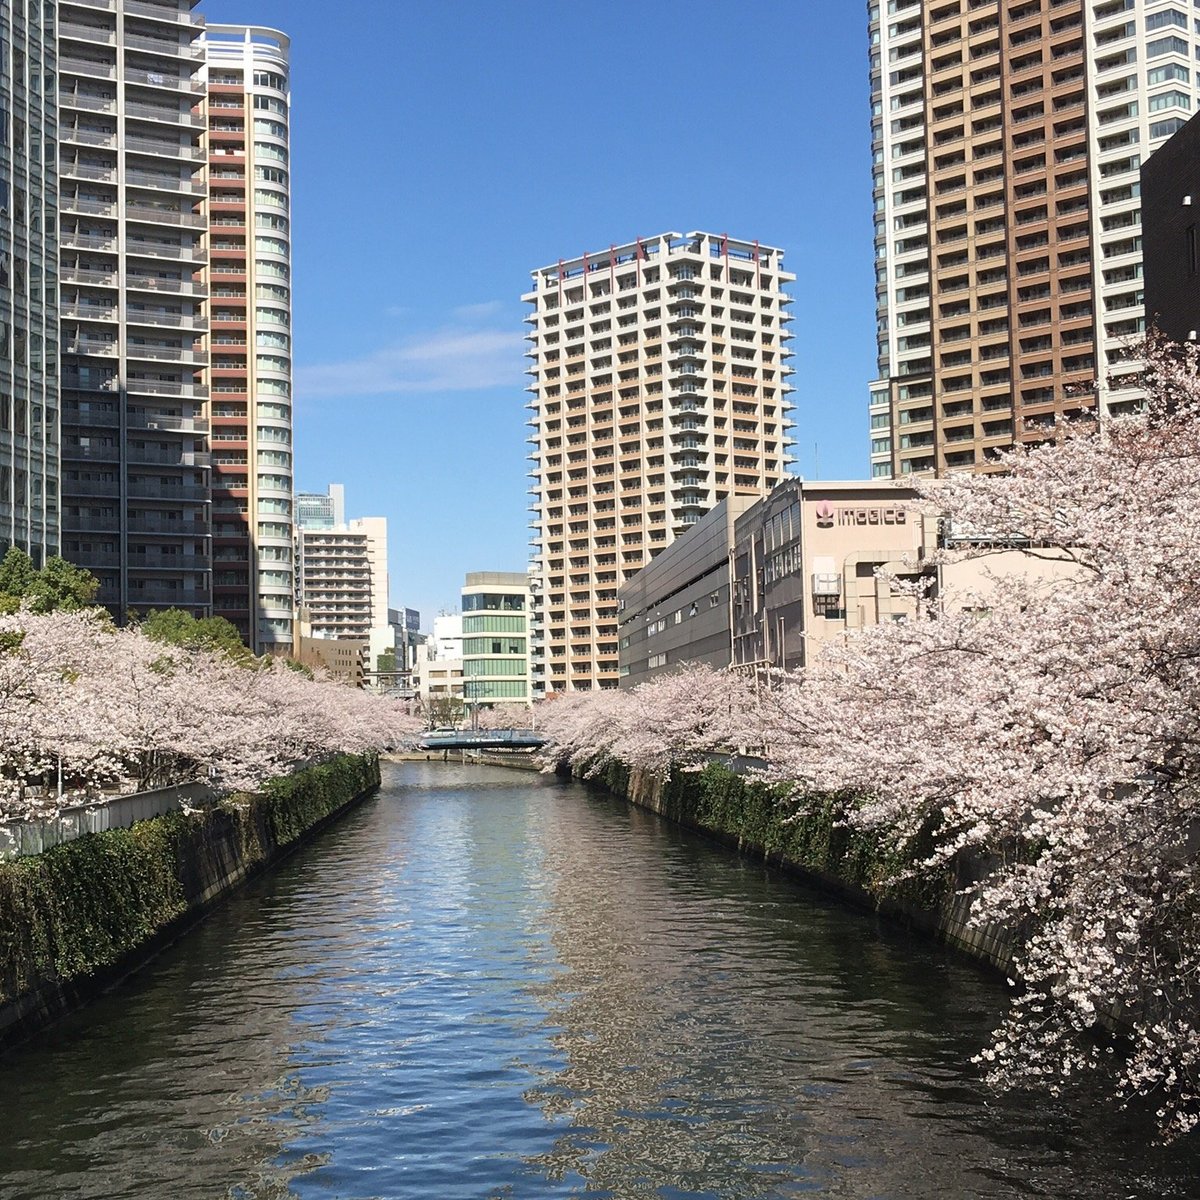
16	572
61	586
58	587
386	662
445	710
177	627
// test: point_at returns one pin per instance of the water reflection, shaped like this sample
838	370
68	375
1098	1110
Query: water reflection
485	984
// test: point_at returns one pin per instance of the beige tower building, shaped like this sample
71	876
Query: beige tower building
1007	138
659	387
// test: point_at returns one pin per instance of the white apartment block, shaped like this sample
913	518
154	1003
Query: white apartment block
658	387
1007	136
343	582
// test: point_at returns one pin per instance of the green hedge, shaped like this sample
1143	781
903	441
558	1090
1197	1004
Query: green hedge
810	833
83	906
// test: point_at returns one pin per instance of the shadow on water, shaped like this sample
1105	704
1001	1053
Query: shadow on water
485	984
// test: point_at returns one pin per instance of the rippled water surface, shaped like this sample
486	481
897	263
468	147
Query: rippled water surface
490	984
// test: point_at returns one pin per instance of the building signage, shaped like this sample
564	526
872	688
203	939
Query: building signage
829	515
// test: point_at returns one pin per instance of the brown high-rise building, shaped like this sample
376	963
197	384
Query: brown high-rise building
1007	139
249	191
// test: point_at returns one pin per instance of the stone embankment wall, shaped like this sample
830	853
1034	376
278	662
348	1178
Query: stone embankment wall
79	917
816	847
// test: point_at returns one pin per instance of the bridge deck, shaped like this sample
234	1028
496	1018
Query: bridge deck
483	739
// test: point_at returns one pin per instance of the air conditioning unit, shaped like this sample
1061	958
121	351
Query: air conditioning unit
826	585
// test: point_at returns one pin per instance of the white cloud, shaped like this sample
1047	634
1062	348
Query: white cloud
454	359
476	312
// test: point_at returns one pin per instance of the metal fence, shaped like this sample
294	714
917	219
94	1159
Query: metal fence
20	838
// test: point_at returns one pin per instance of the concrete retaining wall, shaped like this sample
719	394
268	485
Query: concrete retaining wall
78	918
19	838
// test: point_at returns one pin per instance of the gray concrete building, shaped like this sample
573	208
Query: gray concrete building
135	476
677	608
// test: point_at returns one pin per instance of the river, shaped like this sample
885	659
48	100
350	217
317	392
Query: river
486	984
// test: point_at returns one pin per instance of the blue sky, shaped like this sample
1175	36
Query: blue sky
442	150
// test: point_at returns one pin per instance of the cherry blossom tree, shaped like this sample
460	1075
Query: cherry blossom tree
84	705
1047	728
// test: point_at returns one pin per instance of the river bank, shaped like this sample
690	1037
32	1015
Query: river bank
81	916
496	983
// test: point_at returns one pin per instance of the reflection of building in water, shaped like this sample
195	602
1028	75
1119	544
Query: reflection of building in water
724	1033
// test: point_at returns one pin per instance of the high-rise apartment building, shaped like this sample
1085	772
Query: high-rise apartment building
1007	139
341	572
659	387
29	350
249	176
135	462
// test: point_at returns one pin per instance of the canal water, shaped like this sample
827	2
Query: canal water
486	984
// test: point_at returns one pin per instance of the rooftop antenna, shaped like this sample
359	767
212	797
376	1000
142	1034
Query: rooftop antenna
816	461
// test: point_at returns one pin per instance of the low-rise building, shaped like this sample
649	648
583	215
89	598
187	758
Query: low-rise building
676	608
495	640
767	587
437	673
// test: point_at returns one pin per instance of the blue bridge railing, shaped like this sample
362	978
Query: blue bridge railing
481	739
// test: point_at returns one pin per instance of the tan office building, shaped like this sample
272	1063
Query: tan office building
659	387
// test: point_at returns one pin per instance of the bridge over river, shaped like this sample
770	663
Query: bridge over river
486	983
482	739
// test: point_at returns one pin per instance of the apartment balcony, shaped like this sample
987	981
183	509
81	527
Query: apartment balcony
162	80
138	563
93	347
92	172
164	422
83	102
166	387
108	488
164	183
75	205
167	354
152	593
151	489
162	149
155	320
159	526
88	241
151	214
171	287
88	137
156	45
89	276
91	68
147	457
193	255
166	115
167	12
